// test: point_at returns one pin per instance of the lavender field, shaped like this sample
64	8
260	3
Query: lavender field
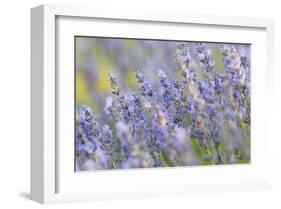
151	103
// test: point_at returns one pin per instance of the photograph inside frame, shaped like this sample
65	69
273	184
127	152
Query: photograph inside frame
142	103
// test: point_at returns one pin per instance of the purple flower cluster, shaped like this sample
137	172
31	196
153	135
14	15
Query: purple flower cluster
99	144
200	118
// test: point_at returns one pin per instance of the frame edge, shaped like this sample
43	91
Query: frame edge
37	119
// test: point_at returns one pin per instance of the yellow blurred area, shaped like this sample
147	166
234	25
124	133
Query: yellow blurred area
218	59
105	66
82	93
131	79
84	89
103	84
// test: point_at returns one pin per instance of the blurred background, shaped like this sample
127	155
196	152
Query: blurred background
96	57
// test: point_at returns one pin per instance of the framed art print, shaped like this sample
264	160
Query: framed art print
129	104
195	112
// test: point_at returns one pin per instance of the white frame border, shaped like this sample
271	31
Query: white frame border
43	90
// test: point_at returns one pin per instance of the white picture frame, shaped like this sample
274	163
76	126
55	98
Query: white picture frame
52	177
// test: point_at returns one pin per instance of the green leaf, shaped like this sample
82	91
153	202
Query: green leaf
163	156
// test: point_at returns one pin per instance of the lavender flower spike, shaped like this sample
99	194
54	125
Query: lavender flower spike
88	123
145	86
163	79
106	141
204	55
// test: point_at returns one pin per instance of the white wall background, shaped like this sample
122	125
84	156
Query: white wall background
15	103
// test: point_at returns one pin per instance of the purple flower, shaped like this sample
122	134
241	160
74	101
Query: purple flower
114	84
106	142
163	79
204	55
88	123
